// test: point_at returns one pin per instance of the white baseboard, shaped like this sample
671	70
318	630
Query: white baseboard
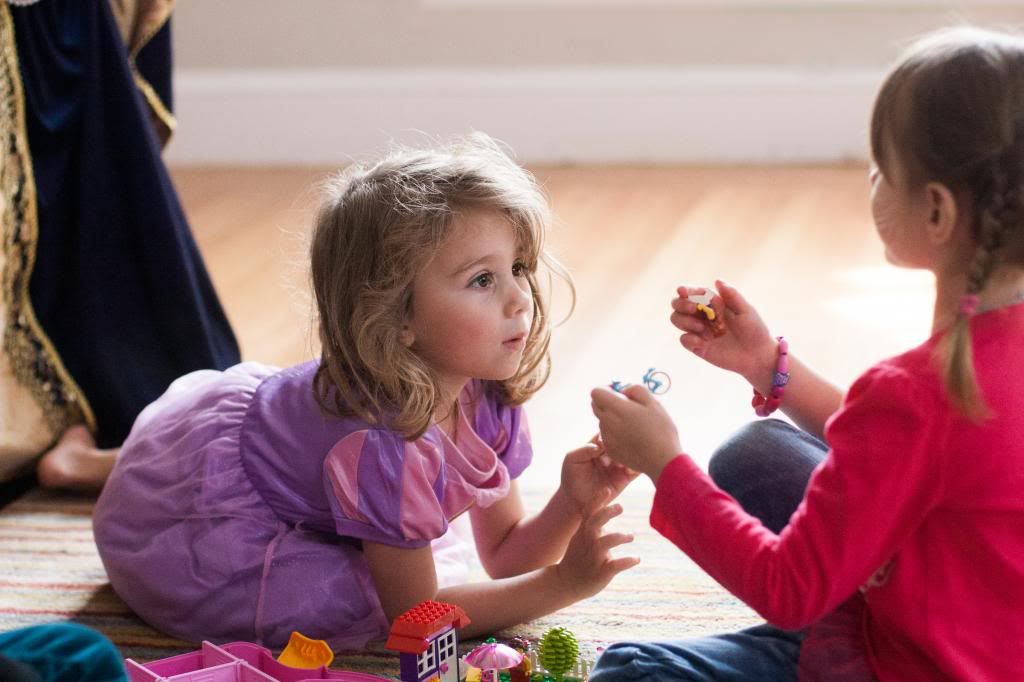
713	4
547	115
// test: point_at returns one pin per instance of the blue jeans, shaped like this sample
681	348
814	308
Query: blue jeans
765	466
59	652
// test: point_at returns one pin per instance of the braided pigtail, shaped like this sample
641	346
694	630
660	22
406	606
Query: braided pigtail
995	221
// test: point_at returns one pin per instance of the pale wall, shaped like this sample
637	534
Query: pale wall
668	80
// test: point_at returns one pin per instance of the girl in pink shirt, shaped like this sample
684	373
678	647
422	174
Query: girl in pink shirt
904	557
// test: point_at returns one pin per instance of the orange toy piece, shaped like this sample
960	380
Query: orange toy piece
303	652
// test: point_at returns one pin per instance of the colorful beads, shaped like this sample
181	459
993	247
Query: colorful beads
765	406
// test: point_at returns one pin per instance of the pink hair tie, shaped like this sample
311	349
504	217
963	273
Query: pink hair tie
968	304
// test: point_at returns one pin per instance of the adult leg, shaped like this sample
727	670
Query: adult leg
766	466
75	463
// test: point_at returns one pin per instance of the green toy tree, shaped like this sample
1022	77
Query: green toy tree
558	651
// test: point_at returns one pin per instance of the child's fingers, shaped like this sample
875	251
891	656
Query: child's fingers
617	473
718	303
695	324
596	505
621	564
732	298
614	474
608	466
687	317
599	517
603	399
685	291
610	541
684	306
693	343
639	394
584	454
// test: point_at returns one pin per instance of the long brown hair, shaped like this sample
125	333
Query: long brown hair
952	111
378	226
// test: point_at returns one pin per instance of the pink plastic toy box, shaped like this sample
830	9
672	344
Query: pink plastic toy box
235	662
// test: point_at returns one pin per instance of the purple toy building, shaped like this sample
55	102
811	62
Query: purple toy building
426	641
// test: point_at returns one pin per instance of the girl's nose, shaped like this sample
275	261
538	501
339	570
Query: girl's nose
520	299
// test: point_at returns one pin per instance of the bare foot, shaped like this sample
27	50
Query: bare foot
75	463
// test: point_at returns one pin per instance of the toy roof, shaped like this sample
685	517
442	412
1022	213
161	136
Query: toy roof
410	630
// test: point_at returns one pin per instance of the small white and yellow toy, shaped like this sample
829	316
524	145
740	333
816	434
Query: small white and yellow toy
704	305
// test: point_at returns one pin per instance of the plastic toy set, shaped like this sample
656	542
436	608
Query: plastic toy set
425	638
235	662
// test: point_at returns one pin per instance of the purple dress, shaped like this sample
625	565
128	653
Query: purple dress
237	509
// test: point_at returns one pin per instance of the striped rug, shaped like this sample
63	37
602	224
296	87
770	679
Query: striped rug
50	571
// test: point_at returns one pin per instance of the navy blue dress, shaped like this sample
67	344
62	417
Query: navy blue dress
118	286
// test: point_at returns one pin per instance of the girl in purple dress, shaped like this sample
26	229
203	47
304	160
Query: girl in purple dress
249	503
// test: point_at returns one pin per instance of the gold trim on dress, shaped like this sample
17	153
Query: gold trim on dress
34	361
138	21
163	120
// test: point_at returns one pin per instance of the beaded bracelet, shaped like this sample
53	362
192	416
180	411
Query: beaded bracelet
765	406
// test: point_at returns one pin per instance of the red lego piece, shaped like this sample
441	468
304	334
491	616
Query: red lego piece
411	630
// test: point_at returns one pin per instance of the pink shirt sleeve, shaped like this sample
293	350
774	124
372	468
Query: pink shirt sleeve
385	489
875	487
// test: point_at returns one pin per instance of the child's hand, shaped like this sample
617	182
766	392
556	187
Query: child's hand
746	348
588	473
587	566
635	429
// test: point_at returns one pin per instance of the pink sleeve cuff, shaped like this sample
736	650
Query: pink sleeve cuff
680	481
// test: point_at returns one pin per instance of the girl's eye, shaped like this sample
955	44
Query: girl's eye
519	270
483	280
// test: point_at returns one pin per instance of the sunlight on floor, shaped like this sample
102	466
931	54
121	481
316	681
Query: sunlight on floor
863	314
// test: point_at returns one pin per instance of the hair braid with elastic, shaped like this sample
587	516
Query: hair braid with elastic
996	221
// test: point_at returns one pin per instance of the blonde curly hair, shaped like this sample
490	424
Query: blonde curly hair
378	226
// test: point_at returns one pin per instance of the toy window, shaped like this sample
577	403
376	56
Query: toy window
446	646
426	662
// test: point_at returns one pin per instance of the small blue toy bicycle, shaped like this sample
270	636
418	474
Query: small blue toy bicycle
656	381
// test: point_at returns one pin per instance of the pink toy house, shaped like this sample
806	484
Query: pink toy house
426	641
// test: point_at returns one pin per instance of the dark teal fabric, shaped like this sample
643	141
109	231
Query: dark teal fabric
59	652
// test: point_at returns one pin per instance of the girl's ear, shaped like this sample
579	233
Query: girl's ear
943	213
406	336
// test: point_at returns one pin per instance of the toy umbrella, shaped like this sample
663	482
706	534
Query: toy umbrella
493	656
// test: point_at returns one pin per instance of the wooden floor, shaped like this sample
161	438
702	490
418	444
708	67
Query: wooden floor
797	241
